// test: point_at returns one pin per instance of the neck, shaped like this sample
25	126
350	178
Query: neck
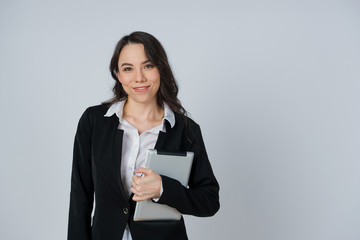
142	111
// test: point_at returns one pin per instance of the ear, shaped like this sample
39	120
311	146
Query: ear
118	76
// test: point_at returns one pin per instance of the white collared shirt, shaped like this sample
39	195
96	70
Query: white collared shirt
134	146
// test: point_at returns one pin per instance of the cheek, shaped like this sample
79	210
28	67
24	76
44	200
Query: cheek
156	77
156	83
123	80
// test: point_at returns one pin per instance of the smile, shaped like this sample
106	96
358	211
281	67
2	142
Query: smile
141	89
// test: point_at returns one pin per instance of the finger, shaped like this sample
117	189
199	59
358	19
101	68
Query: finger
135	191
136	179
138	198
133	184
145	171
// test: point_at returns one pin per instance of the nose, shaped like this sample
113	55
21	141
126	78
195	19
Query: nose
140	76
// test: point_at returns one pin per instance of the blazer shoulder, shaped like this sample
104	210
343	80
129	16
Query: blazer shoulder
96	110
187	122
92	114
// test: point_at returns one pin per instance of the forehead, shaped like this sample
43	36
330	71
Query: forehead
132	53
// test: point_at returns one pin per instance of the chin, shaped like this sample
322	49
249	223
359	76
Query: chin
144	99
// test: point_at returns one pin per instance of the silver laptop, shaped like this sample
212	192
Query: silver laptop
171	164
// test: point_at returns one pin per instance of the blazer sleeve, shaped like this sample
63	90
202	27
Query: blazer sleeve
82	188
201	198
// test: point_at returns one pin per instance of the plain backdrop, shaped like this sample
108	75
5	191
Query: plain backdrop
274	86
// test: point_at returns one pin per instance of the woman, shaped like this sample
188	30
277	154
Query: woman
110	145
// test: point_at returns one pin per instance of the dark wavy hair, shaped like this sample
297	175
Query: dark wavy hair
155	52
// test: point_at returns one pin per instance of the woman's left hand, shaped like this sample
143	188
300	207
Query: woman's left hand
145	187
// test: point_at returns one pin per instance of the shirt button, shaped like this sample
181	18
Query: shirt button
125	210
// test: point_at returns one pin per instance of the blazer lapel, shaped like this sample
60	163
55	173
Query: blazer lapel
164	139
117	152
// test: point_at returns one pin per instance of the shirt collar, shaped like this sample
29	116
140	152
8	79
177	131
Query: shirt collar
117	108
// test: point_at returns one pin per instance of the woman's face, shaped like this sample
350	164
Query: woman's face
138	76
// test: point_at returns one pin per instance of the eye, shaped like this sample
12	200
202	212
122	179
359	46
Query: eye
148	66
127	69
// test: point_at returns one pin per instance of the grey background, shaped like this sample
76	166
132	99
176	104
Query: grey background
273	84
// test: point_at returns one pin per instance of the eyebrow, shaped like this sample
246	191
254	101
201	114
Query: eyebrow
129	64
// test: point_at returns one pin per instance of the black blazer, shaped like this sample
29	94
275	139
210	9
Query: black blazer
96	169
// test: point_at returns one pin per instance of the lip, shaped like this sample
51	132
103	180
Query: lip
141	89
